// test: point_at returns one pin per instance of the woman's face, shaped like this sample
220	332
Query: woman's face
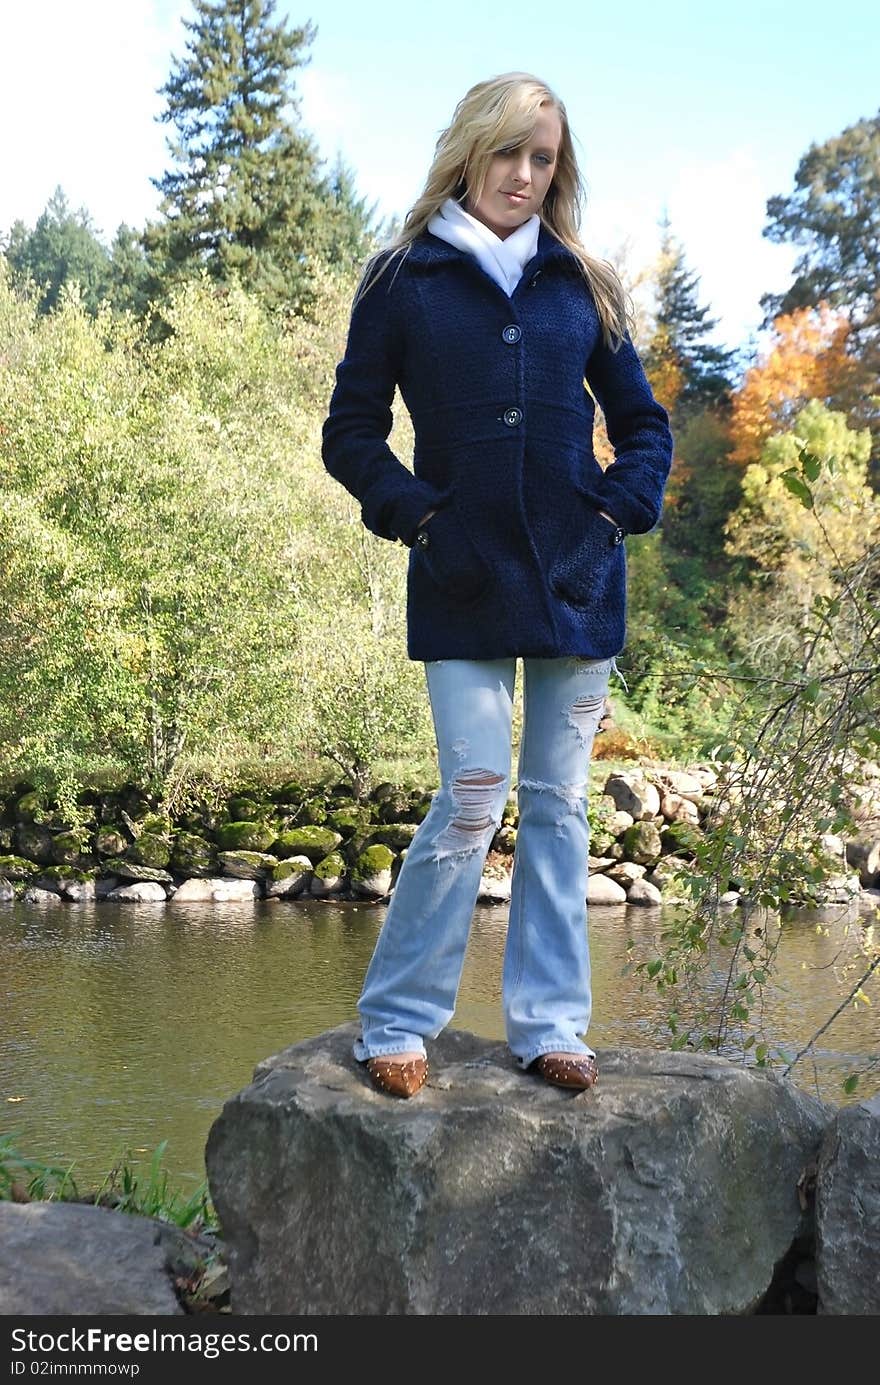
527	170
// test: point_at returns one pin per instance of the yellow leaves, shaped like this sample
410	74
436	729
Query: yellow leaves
808	360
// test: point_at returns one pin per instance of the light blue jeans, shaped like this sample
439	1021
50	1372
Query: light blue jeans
412	982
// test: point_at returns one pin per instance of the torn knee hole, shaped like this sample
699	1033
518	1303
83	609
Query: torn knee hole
474	793
585	713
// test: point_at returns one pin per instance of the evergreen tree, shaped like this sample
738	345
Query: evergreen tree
679	350
63	247
129	272
350	229
246	198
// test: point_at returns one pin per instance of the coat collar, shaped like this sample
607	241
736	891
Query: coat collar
427	248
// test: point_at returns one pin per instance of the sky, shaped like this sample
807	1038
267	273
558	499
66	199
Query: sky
688	110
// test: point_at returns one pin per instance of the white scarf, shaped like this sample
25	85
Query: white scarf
502	259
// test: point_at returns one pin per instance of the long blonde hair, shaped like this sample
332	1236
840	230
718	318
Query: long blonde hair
495	114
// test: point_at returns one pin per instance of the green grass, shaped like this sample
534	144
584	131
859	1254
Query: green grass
125	1188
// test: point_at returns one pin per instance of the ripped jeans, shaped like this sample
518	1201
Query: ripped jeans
412	982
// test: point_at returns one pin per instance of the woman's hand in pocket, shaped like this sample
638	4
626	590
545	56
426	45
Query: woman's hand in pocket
452	560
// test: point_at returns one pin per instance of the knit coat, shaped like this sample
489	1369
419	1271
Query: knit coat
517	560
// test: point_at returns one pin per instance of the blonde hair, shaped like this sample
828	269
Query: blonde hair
500	113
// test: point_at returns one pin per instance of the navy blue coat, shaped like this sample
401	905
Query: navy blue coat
517	560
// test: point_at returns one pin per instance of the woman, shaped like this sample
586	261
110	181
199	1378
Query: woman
489	316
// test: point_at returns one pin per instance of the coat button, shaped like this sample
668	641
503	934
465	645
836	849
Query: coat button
512	333
512	417
619	535
422	538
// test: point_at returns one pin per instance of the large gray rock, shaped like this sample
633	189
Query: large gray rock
864	853
219	889
644	893
848	1213
633	793
670	1187
58	1258
601	889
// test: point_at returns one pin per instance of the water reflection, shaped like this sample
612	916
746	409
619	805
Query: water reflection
122	1025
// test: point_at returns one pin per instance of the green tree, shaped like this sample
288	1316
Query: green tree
185	592
791	554
246	198
128	277
704	488
834	214
680	348
62	248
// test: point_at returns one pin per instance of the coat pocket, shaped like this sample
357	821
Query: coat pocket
590	561
452	560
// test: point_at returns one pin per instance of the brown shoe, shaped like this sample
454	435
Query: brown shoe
400	1079
581	1071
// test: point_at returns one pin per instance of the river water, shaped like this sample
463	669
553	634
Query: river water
122	1025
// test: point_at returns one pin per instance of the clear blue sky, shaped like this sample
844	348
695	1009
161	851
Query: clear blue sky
696	109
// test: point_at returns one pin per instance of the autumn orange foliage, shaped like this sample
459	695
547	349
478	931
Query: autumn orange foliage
808	360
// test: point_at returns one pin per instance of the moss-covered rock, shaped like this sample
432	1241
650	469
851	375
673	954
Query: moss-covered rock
34	842
295	865
247	865
150	850
371	872
245	836
314	842
289	878
313	812
330	867
291	791
54	875
394	834
682	838
667	868
349	820
372	861
641	842
68	847
110	840
192	854
17	867
159	824
397	806
132	870
328	876
132	800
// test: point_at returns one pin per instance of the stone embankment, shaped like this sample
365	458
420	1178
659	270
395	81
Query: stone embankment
294	842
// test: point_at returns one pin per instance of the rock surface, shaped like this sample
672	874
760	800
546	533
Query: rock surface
669	1188
59	1258
601	889
848	1213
